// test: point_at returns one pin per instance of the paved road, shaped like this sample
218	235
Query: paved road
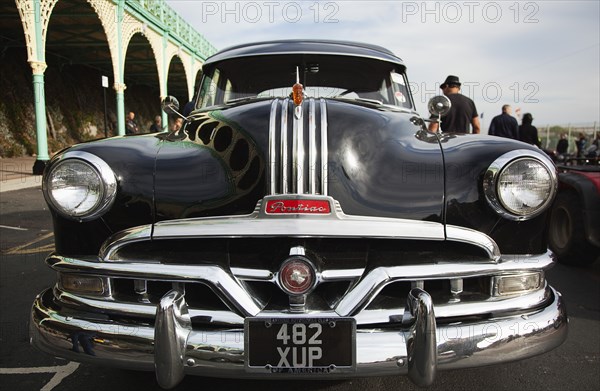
573	366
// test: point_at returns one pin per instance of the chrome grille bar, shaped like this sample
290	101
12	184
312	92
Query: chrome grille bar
324	153
284	143
312	147
273	161
298	158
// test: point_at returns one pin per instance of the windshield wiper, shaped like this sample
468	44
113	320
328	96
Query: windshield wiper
238	100
367	100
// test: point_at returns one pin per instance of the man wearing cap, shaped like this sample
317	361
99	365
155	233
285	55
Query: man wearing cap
462	112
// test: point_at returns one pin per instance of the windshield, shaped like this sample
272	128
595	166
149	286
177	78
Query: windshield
323	76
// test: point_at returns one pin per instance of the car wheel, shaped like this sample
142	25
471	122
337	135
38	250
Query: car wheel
567	234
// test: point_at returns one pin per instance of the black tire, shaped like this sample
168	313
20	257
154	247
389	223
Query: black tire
566	234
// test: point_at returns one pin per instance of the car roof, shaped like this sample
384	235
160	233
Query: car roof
297	46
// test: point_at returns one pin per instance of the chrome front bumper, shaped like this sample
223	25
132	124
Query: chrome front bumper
173	348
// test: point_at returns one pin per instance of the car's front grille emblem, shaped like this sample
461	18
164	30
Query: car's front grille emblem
297	276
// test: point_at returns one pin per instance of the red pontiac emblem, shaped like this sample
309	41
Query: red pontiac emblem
296	276
298	207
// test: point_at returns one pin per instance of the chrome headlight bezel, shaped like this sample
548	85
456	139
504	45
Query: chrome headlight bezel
98	168
499	167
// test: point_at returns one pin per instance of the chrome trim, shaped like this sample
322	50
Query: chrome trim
422	342
172	329
284	145
490	181
324	150
273	162
353	303
298	155
341	274
222	282
372	283
379	352
474	238
335	224
312	147
247	274
105	173
301	226
456	286
492	305
122	308
302	164
121	238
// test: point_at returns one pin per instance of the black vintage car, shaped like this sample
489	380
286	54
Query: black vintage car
303	223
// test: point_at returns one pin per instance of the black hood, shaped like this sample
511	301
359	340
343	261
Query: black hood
378	162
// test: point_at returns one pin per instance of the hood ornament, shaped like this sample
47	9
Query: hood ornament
297	95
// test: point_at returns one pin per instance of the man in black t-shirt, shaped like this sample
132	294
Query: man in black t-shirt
462	112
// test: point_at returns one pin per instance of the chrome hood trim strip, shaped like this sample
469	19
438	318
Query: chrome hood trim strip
273	161
336	224
324	147
294	169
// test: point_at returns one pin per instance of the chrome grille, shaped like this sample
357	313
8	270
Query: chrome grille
366	279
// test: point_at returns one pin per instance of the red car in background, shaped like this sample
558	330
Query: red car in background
575	218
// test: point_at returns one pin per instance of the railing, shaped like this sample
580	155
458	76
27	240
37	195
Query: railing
550	134
179	28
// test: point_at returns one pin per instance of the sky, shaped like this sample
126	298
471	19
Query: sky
541	57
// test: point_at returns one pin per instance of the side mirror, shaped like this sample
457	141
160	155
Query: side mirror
170	105
439	105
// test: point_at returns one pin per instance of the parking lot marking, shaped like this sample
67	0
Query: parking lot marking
23	249
15	228
61	372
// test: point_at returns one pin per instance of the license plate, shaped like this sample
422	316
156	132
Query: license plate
300	345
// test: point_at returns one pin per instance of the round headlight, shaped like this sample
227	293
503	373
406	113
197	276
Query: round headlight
80	186
519	185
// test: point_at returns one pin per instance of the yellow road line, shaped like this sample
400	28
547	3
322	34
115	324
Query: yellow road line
22	249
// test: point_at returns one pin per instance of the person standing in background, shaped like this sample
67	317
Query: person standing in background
504	125
131	126
563	145
581	144
527	132
462	111
156	125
